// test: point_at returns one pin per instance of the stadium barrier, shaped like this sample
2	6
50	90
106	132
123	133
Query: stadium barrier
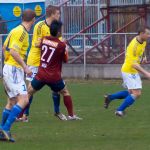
103	61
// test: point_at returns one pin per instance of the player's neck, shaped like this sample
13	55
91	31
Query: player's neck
27	26
49	21
139	39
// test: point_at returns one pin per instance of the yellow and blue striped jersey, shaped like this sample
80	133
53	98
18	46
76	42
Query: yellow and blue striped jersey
41	29
134	55
18	40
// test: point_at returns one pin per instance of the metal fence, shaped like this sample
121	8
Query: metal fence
108	50
78	14
111	51
123	2
111	2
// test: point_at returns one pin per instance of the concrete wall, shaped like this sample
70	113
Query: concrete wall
94	71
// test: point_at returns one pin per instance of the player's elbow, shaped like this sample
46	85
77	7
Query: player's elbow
3	48
65	59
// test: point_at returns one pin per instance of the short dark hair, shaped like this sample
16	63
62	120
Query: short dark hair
28	15
55	27
51	10
142	29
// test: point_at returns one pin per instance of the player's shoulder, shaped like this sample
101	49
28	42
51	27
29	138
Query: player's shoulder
133	42
134	39
61	43
54	41
19	31
40	23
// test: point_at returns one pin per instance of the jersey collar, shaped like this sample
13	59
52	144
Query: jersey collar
46	23
24	28
139	41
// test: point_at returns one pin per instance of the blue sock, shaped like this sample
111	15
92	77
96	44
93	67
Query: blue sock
118	95
16	110
5	115
56	100
27	110
129	100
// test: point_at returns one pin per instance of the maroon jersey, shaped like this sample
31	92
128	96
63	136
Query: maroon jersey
53	52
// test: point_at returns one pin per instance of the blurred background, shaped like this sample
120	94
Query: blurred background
97	31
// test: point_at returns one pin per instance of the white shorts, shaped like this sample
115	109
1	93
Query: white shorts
34	72
132	81
13	79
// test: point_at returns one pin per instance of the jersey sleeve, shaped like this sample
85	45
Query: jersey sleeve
16	40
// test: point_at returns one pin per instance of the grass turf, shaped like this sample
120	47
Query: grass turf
100	129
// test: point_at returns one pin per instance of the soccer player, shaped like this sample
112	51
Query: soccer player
53	54
130	73
41	29
15	49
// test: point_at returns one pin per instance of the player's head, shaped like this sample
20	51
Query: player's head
28	16
55	28
144	33
53	12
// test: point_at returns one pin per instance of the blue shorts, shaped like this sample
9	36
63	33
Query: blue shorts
56	87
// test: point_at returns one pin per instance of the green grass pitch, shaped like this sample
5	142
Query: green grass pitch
100	129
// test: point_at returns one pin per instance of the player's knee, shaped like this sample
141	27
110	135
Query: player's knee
137	94
65	92
31	91
10	104
23	100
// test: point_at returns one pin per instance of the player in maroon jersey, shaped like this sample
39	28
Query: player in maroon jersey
53	54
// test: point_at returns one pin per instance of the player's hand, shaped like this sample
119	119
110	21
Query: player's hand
28	71
37	44
144	61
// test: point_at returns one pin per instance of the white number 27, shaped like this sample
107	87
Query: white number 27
46	48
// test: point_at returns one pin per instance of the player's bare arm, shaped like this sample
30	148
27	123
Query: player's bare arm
141	70
3	50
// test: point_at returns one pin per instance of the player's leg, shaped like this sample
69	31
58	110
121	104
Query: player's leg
16	110
18	93
23	117
134	85
115	96
10	87
128	101
25	113
23	100
69	104
16	90
118	95
27	110
56	101
67	101
10	103
60	86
